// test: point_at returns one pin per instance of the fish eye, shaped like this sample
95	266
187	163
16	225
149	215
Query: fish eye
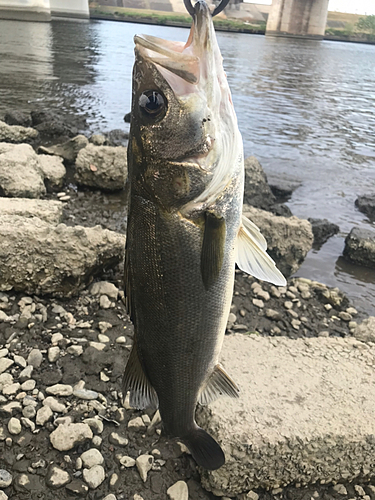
152	102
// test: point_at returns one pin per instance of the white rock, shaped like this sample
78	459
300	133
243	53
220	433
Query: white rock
178	491
111	496
127	461
85	394
48	210
121	340
43	415
19	360
3	496
28	385
35	358
29	424
60	390
14	426
104	288
5	379
8	390
136	423
103	377
92	457
104	326
3	352
25	373
97	441
94	476
104	302
103	338
117	439
144	465
97	345
53	170
54	404
53	354
56	337
5	363
5	478
95	424
75	350
66	437
56	477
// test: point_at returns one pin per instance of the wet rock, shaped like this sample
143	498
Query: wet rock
103	167
178	491
144	465
365	331
17	133
5	478
14	426
68	150
117	137
53	171
366	204
92	457
43	259
282	186
322	230
20	174
66	437
295	420
47	210
77	487
56	477
94	476
257	191
360	247
15	117
288	239
35	358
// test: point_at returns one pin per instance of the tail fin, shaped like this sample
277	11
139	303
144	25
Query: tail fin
205	450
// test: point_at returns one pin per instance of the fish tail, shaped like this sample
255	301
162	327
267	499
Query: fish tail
204	449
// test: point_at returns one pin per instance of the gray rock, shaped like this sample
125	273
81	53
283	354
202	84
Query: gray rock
360	247
53	171
257	191
17	133
43	259
103	167
5	478
47	210
365	331
366	204
67	150
291	417
66	437
56	477
92	457
288	238
144	465
178	491
85	394
20	174
15	117
94	476
35	358
322	230
77	487
283	186
14	426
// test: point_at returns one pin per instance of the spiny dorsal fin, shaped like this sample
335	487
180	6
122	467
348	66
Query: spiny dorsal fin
212	253
253	259
254	232
142	394
218	384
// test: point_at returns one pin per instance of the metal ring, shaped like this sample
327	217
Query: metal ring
189	7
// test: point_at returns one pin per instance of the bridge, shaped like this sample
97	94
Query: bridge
43	10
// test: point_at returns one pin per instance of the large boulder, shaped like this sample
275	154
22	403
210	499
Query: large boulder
288	238
16	117
24	174
16	133
283	186
103	167
322	230
366	204
360	247
257	191
39	258
67	150
365	331
48	210
305	413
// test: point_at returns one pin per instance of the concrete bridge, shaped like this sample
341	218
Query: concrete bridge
298	18
43	10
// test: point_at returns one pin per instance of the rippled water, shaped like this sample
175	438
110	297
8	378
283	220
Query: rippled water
306	109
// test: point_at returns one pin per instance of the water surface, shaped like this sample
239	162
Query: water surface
306	109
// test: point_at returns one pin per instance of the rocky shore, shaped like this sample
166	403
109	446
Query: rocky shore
65	338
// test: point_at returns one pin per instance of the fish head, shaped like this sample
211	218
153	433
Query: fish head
182	111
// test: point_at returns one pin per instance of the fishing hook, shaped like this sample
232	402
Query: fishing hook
218	9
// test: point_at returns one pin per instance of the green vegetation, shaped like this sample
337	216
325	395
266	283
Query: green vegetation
366	24
354	27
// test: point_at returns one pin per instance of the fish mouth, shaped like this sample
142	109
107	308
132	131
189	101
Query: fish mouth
187	61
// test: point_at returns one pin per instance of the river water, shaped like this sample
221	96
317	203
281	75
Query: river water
306	110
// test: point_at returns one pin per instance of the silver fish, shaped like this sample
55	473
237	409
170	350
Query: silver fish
185	230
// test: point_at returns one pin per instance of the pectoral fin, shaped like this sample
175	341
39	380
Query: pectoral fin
142	394
252	256
218	384
212	253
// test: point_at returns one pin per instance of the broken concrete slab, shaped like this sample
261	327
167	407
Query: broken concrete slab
48	210
305	413
16	133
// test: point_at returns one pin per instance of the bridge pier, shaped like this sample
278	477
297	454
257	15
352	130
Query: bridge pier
298	18
70	8
21	10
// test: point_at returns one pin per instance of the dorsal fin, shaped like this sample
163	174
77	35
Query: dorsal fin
218	384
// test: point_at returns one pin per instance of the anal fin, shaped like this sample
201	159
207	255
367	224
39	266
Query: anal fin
142	394
212	254
218	384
